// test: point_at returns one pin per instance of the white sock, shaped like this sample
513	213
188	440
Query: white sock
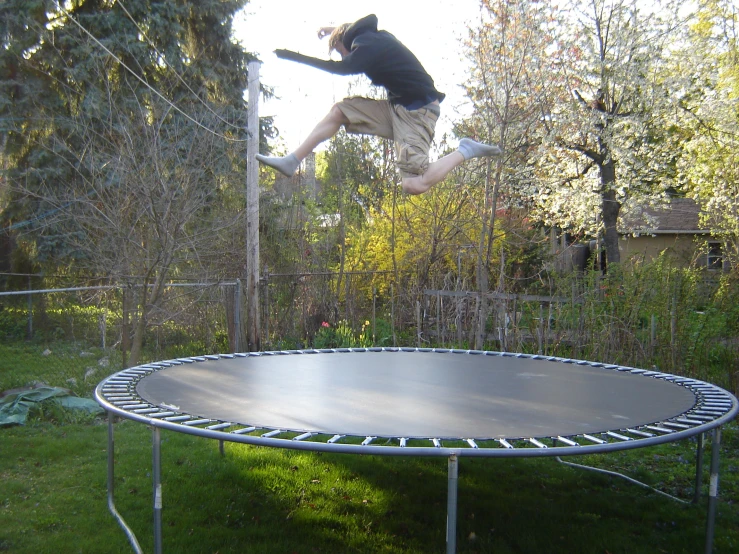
472	149
287	165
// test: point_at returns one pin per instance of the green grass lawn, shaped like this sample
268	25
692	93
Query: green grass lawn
261	500
53	478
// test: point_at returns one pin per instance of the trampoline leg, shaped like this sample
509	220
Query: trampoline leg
713	489
451	508
698	470
111	489
157	484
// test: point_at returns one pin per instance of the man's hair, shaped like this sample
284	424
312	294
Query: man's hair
337	36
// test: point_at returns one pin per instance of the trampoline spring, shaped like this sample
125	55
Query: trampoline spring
659	429
177	419
703	418
617	436
708	413
724	404
335	438
639	433
403	442
368	441
219	426
197	422
436	442
567	441
472	443
303	436
145	411
596	440
689	421
272	434
505	443
243	430
162	414
675	425
537	443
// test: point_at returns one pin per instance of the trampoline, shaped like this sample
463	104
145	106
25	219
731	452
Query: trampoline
416	402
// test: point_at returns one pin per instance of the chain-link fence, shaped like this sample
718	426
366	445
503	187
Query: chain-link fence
74	336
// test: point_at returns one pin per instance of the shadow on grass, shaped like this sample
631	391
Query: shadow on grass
286	501
265	500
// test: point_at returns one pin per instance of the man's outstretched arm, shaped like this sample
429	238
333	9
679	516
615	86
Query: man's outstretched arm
347	66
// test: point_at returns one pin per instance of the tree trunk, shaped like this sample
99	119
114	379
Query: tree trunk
610	209
139	328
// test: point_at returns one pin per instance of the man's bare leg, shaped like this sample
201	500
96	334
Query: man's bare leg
439	169
434	174
324	130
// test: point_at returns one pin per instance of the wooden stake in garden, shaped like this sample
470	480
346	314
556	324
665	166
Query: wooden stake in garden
252	211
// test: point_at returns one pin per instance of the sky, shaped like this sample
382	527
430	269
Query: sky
432	29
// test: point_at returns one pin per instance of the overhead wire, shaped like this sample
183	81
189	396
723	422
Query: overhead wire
25	223
144	82
163	58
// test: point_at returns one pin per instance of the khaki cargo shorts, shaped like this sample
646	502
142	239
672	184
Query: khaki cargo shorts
411	130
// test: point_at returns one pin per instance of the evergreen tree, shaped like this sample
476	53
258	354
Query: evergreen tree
79	78
123	138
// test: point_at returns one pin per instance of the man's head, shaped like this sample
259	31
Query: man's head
335	41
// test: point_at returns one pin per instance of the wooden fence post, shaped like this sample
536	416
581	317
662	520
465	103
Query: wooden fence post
252	210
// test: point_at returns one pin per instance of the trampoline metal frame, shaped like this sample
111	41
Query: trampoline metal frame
714	407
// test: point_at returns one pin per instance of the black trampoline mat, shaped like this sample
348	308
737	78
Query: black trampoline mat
416	395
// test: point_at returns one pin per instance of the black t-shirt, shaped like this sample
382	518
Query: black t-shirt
384	59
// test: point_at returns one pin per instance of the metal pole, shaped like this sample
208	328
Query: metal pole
451	506
252	210
698	470
111	490
713	489
374	316
30	310
157	485
237	316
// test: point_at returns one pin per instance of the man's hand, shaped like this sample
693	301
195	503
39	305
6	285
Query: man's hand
325	31
284	54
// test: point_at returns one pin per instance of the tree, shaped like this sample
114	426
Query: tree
508	80
707	76
128	129
606	143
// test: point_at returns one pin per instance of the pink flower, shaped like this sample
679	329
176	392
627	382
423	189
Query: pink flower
325	324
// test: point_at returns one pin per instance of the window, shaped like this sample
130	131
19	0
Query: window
715	256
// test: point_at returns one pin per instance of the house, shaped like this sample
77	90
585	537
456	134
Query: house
675	228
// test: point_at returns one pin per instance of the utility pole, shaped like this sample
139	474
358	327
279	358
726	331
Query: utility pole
252	211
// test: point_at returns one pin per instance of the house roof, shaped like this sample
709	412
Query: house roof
680	216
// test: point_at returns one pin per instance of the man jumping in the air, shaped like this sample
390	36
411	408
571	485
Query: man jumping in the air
408	116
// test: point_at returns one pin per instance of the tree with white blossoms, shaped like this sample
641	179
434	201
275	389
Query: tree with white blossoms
605	145
709	94
507	76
